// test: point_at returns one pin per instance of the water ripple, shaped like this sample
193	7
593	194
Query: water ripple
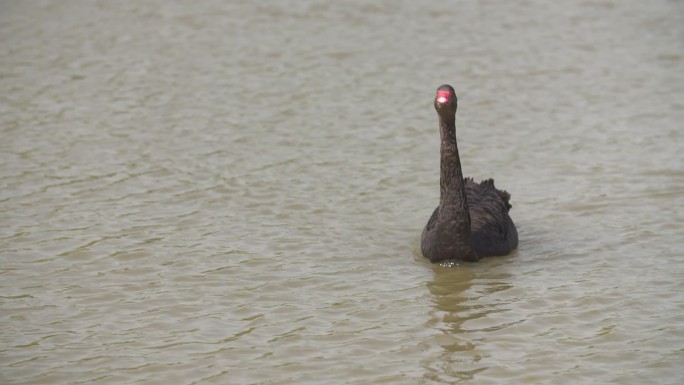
234	193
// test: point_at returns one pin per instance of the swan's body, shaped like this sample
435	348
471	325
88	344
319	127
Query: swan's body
472	219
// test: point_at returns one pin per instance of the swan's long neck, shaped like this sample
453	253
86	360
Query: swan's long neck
454	216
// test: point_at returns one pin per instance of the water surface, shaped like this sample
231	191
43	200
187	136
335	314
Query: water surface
233	192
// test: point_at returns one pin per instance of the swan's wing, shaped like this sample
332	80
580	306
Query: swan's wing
493	230
487	188
486	194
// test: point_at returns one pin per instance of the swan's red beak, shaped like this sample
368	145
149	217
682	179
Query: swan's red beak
443	97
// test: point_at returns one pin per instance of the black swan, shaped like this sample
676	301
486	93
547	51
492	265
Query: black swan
472	219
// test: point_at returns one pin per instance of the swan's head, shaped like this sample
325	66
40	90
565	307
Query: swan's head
445	99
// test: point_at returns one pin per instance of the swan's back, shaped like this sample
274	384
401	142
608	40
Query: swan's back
492	228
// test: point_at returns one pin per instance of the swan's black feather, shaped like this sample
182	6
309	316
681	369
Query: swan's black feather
493	231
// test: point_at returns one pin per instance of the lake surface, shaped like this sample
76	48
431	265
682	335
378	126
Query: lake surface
233	192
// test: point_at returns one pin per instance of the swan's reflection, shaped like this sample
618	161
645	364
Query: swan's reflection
451	304
459	297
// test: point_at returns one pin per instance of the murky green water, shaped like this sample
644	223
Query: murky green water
233	192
